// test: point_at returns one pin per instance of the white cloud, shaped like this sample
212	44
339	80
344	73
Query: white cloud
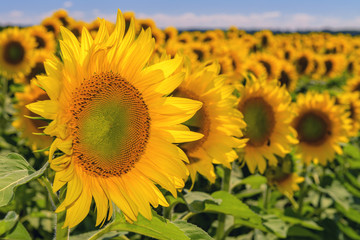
270	20
68	4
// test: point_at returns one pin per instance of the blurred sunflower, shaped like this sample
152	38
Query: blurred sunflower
304	62
288	76
38	68
321	127
76	27
63	17
45	40
268	115
27	122
334	65
255	68
52	24
171	33
352	84
351	101
271	64
16	52
319	68
266	38
112	122
217	120
284	176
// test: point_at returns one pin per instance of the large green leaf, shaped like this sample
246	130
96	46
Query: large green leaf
159	228
19	233
276	225
14	171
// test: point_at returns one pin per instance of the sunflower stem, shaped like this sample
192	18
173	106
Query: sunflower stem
53	197
222	217
303	191
61	232
267	197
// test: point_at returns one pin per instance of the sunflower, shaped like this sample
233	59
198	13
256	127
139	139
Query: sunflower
284	176
197	52
26	121
45	40
217	120
171	33
335	65
255	68
63	17
266	38
304	62
52	24
267	114
112	122
352	84
351	101
321	127
271	64
145	24
288	76
353	65
38	68
185	37
159	37
319	68
16	52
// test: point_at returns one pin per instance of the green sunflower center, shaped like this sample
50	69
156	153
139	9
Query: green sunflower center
313	127
14	52
110	125
260	121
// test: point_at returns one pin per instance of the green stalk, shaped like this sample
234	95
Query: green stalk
60	232
303	191
221	218
267	197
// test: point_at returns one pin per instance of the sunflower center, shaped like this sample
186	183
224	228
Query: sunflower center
284	79
199	54
40	42
50	28
267	67
260	121
14	52
281	171
110	125
198	123
329	66
303	63
313	127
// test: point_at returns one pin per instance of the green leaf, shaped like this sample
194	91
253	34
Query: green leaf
276	225
19	233
105	236
15	171
255	181
348	231
196	201
350	213
8	222
352	180
352	151
232	206
298	231
305	223
158	227
191	230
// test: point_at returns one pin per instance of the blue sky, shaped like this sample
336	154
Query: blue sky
275	14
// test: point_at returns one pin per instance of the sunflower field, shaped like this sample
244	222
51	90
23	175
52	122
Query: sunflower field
123	130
